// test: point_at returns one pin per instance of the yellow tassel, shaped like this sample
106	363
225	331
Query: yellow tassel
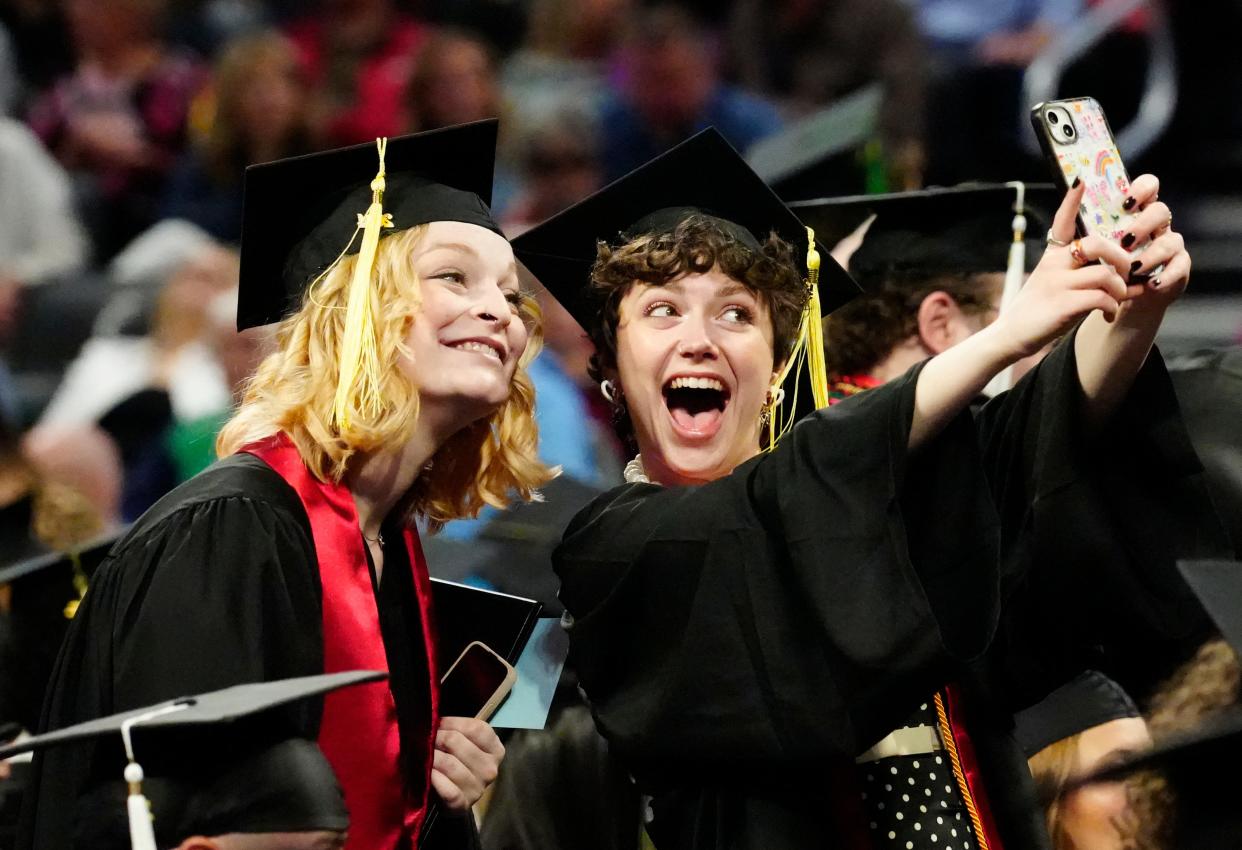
358	384
808	349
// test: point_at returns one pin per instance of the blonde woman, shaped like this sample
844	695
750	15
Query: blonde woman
397	392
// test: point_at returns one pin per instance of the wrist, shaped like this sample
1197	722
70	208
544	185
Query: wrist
999	347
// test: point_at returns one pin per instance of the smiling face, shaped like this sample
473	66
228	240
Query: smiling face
694	361
467	337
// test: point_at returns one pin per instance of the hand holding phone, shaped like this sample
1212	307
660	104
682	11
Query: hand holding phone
1076	139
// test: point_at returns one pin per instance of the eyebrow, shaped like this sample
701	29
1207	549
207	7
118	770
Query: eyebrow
453	246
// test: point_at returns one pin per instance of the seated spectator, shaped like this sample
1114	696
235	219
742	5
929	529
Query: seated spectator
36	192
357	56
809	54
259	115
670	89
118	121
559	165
560	65
454	82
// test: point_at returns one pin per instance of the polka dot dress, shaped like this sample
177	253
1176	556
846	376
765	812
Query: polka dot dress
913	801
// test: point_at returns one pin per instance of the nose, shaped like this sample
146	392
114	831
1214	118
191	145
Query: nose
493	307
697	343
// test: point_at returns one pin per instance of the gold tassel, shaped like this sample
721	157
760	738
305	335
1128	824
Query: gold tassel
808	348
358	384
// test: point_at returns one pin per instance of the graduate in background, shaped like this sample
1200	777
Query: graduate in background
223	770
740	620
397	392
1087	724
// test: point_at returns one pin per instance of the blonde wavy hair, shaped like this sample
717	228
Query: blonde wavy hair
490	462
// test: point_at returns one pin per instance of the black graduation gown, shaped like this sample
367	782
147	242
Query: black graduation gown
736	637
218	584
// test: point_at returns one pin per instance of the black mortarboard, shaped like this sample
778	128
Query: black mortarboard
966	228
267	785
222	706
301	213
1218	585
1089	699
703	174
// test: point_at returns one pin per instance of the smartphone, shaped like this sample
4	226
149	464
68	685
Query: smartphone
1076	139
476	684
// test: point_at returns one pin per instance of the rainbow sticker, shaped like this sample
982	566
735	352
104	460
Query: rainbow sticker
1103	161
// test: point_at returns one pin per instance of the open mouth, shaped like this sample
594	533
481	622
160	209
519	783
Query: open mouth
696	404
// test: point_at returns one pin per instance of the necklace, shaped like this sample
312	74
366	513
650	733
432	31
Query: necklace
379	538
635	473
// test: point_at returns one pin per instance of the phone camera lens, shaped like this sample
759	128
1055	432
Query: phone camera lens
1053	118
1068	131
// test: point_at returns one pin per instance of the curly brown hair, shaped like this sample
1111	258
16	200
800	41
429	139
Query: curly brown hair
863	332
696	245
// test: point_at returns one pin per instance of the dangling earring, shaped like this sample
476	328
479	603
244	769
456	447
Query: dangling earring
770	402
608	390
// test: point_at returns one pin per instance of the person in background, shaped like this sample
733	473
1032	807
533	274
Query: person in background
809	54
119	120
1083	726
980	50
258	105
670	88
357	57
561	66
559	166
454	81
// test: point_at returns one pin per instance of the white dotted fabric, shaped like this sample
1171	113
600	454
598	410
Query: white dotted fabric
913	801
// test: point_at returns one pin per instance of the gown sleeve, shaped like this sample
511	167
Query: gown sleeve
219	592
793	609
1093	526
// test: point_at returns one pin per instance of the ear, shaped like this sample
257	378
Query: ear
939	322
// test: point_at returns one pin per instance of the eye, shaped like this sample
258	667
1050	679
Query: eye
516	298
450	275
661	310
738	314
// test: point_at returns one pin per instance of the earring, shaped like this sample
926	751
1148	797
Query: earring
765	416
775	396
608	390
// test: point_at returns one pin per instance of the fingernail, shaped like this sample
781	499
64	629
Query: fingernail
1155	283
1140	278
1077	180
1128	203
1134	266
1127	240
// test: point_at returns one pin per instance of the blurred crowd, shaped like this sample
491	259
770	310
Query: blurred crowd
127	126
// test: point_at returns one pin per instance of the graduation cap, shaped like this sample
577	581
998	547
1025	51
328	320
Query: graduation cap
285	801
1198	763
917	236
1089	699
967	228
302	215
703	175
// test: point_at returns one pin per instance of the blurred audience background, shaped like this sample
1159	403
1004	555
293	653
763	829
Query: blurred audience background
125	127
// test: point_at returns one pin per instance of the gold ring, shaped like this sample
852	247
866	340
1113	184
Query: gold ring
1052	240
1077	253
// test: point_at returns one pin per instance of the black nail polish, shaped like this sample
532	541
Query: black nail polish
1140	278
1077	180
1128	203
1155	283
1127	240
1134	266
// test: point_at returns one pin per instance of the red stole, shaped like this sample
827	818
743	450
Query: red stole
358	734
970	768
